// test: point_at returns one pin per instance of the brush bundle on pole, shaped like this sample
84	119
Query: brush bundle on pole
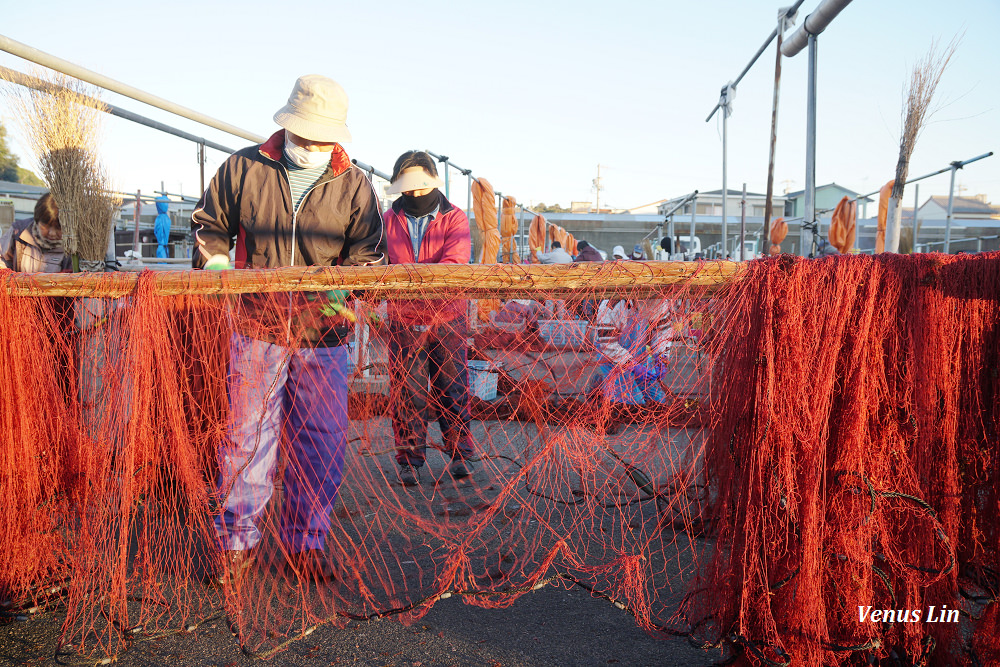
61	125
923	82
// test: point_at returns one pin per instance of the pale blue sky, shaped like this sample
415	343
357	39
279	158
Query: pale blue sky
534	95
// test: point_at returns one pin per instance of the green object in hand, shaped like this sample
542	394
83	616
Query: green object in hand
338	296
217	263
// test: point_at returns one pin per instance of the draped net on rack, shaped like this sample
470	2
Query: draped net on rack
740	454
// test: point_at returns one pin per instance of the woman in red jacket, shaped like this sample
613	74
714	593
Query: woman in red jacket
427	338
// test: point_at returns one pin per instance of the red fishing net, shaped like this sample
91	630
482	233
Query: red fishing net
753	456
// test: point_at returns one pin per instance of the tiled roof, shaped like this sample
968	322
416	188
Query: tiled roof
967	205
10	186
848	191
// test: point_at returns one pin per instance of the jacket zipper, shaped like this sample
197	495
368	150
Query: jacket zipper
295	210
295	217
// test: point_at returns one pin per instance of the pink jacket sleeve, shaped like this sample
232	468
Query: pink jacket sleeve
458	238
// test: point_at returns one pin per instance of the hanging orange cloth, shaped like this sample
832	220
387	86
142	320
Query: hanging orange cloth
843	225
570	245
536	236
556	233
779	230
884	195
508	229
485	209
565	239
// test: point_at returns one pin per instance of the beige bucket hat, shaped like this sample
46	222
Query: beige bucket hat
316	110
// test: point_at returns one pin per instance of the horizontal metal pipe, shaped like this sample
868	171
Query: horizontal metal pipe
38	84
52	62
528	210
126	196
789	15
129	197
184	199
814	24
960	164
446	160
686	199
372	170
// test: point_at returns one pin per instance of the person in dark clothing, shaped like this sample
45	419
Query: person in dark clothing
587	253
428	354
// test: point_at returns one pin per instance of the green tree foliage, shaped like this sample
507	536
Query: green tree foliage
29	178
8	163
555	208
10	170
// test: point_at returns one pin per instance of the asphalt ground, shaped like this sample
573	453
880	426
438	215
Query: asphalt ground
553	626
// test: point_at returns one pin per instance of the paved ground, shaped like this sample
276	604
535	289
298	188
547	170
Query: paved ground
551	627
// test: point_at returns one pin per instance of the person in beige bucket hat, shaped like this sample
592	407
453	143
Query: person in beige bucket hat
296	199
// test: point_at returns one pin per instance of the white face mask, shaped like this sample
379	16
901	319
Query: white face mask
306	159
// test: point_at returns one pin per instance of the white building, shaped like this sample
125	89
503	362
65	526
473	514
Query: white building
710	203
967	208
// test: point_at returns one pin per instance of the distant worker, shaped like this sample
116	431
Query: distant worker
428	354
555	256
826	249
637	254
667	246
34	245
587	253
587	308
618	252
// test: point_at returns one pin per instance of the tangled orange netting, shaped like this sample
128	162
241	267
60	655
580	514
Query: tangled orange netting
742	454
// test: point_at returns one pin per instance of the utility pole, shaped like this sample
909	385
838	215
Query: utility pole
135	219
597	188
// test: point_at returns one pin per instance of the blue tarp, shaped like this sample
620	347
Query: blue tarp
161	226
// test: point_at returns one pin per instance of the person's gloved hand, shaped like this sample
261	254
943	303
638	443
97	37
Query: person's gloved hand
217	263
338	296
337	305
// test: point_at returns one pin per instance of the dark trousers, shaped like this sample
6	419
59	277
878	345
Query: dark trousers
428	369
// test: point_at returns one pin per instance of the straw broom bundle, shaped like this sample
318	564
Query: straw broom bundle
61	124
923	82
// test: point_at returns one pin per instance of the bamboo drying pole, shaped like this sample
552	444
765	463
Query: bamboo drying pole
584	280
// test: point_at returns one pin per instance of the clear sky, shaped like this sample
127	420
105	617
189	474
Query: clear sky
534	95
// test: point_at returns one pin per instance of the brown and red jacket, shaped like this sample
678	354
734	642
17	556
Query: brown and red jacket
248	204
